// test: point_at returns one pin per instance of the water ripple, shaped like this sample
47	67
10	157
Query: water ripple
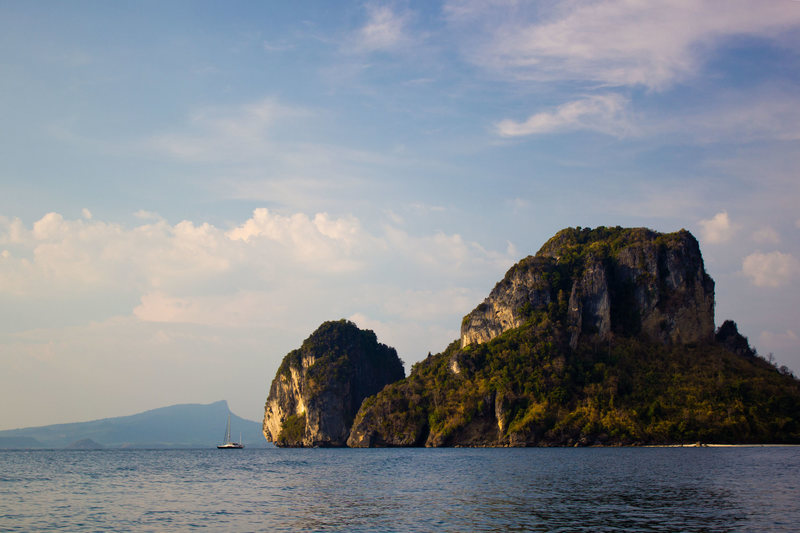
492	490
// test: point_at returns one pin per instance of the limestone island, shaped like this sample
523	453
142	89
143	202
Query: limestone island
604	337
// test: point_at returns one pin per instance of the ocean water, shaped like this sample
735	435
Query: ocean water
535	489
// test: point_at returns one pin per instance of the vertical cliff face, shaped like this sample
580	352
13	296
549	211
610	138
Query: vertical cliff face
665	281
525	287
610	280
320	386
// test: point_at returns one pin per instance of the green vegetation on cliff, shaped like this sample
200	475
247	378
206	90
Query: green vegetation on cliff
525	388
293	430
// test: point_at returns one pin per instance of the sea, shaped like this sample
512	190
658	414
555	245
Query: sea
708	489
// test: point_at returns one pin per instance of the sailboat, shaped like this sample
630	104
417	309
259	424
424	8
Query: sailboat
228	444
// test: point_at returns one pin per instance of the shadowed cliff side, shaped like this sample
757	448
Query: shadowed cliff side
320	386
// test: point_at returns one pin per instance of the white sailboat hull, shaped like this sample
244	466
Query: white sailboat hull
228	445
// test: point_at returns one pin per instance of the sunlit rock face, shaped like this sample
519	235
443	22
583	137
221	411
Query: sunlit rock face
630	281
320	386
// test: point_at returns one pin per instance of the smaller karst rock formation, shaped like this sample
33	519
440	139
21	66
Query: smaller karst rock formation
319	387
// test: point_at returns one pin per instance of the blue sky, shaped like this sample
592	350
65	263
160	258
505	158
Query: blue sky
188	189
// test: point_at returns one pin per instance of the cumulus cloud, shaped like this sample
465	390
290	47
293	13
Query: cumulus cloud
322	242
602	113
717	229
12	230
772	269
57	254
198	273
613	42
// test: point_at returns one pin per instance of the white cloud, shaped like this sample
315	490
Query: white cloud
396	219
717	229
385	29
772	269
12	230
146	215
236	310
416	338
86	214
49	226
76	255
444	253
321	242
766	235
198	273
602	113
613	42
261	152
228	133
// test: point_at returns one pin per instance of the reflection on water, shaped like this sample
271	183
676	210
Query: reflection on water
588	489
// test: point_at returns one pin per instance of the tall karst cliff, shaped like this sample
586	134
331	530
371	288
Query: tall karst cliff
630	282
605	336
320	386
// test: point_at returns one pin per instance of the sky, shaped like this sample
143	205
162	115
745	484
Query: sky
188	189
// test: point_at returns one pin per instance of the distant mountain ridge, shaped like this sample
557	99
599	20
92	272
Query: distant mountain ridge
175	426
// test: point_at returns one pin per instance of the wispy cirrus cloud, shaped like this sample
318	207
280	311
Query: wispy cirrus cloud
385	29
217	134
602	113
612	42
268	151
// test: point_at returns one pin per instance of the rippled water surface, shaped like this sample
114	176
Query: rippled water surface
586	489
